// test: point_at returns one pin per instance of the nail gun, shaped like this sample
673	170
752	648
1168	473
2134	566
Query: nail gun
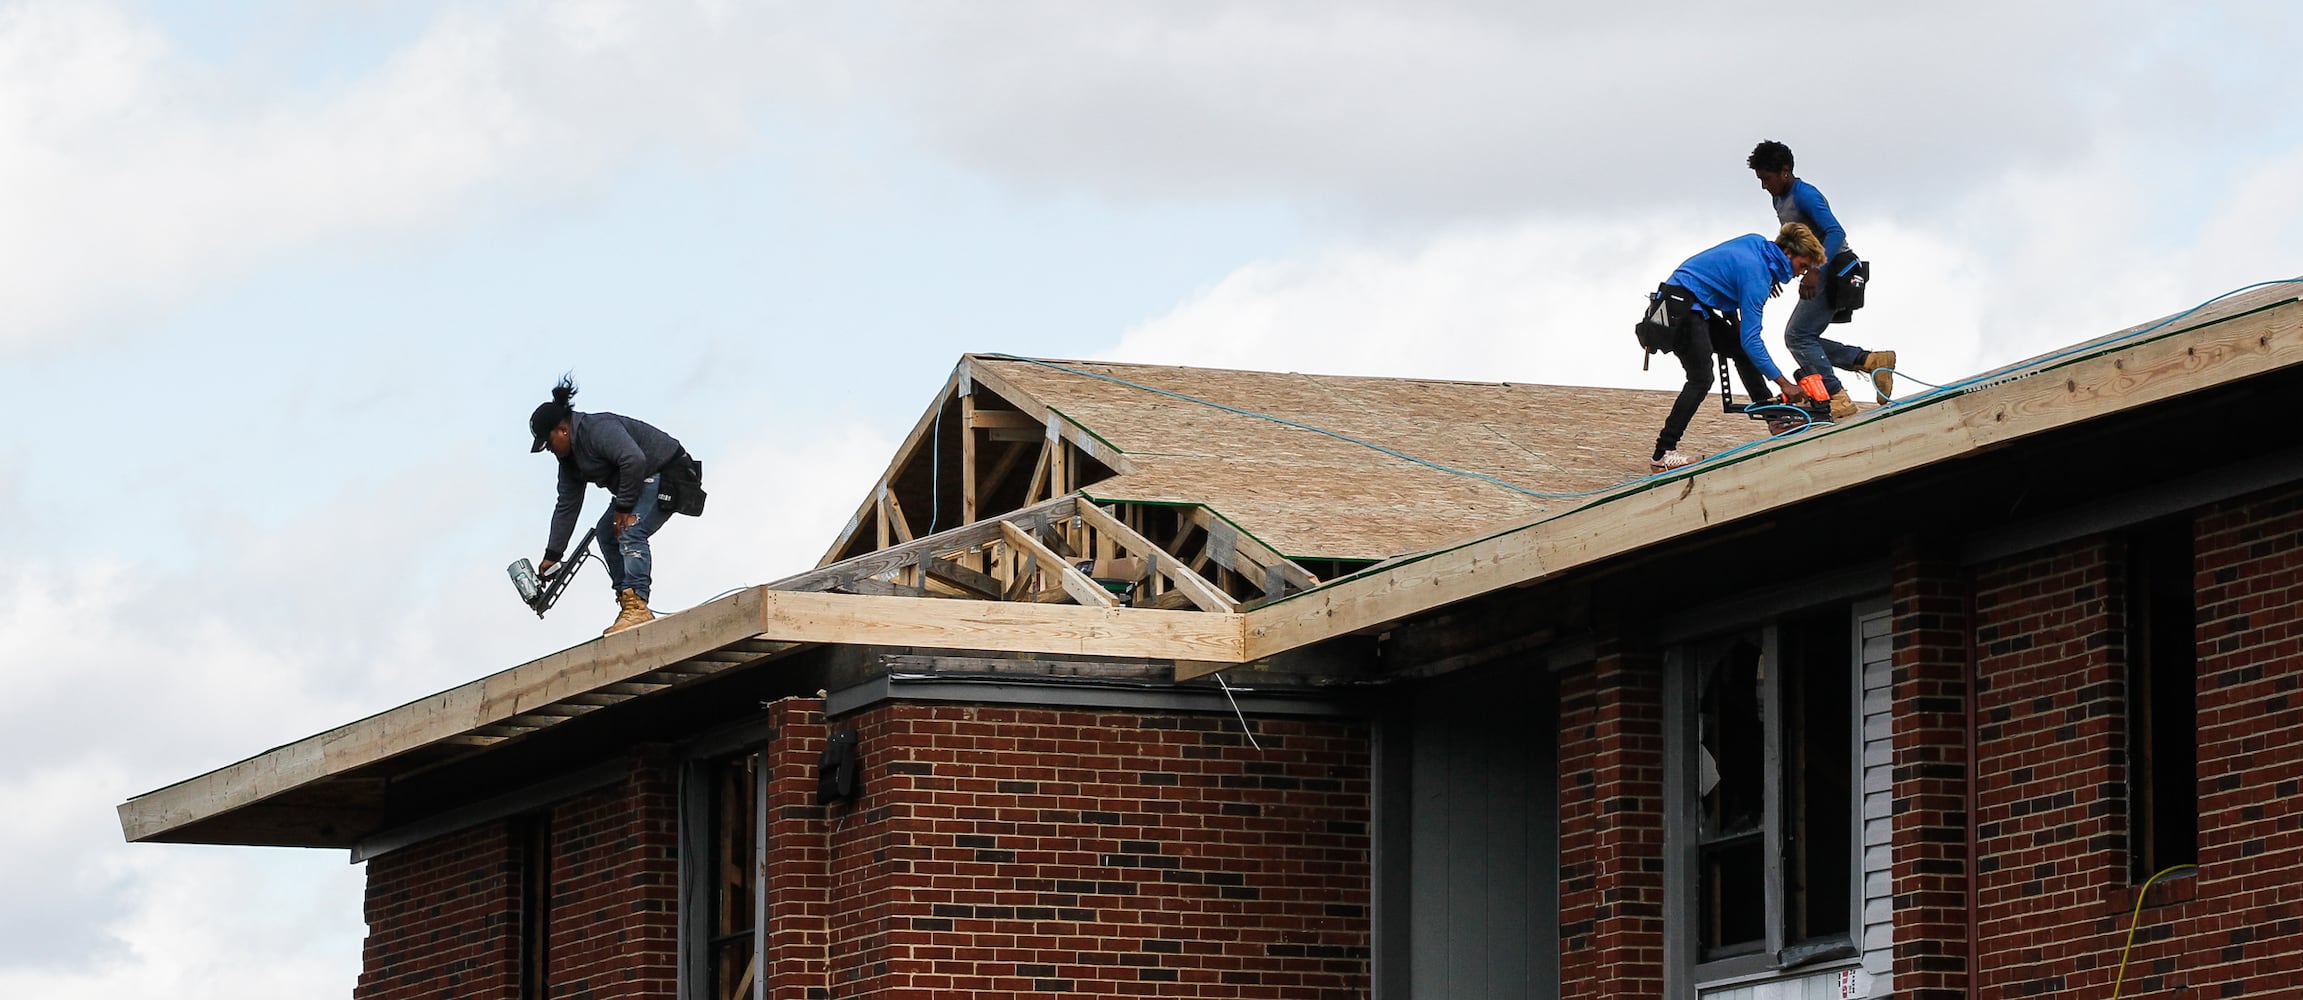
540	592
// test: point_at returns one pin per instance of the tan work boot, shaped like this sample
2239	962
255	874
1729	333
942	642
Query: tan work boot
1883	381
635	611
1841	406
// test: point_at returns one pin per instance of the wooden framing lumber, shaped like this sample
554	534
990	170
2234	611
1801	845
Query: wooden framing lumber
1247	555
1195	587
1084	590
752	619
968	456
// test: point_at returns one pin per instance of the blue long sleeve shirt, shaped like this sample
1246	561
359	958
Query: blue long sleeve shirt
1805	205
1739	275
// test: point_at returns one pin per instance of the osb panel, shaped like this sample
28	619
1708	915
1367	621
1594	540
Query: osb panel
1314	496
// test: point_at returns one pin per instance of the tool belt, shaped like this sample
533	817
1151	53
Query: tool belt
1844	281
680	485
1670	311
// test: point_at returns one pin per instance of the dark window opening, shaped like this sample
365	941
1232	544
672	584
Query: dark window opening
2162	716
1775	775
1731	783
533	834
1819	715
734	875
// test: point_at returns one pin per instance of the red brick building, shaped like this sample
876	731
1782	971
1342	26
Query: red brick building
1196	702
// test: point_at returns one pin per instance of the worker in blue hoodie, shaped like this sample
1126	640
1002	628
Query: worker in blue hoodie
1798	201
1713	303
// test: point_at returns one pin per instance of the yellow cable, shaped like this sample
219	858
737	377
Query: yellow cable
2135	918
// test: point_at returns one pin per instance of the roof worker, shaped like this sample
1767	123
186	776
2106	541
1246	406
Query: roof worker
1713	303
651	476
1821	301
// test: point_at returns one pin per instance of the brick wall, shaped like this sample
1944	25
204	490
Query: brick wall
1611	826
444	916
443	920
615	888
2054	873
1928	827
1034	853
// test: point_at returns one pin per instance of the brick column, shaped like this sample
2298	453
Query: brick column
615	888
444	920
1611	825
798	876
1931	772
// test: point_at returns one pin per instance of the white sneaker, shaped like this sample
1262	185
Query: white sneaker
1673	459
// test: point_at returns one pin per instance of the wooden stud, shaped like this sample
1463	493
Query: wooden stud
968	459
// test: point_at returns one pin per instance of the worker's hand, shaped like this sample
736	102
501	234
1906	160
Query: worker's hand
1792	393
546	567
1807	285
623	521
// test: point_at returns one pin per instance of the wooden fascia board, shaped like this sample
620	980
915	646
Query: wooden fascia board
1781	474
756	613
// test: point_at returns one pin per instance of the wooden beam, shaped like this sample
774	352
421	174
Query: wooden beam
871	565
895	515
981	584
1039	474
994	420
1789	471
968	458
1194	587
755	615
1084	590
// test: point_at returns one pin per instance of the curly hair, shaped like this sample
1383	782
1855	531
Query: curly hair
1770	156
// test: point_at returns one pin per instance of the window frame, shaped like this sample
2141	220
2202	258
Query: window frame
1686	970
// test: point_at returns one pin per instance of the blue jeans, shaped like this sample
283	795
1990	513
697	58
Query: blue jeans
1803	337
627	554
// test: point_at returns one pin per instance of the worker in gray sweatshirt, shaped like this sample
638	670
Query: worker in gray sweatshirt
646	469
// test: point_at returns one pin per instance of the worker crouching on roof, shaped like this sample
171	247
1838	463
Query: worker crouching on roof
1821	303
651	476
1713	303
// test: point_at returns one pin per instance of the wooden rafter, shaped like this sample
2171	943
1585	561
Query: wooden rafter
1195	587
1074	582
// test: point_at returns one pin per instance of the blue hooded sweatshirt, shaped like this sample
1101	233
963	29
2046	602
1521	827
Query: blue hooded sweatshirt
1739	276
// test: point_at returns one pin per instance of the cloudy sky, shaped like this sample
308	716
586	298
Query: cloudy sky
280	280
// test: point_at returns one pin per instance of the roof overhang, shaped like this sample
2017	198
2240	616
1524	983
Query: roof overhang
2243	338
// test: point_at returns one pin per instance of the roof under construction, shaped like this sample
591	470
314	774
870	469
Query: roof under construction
1208	519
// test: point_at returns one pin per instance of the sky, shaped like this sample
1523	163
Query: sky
281	279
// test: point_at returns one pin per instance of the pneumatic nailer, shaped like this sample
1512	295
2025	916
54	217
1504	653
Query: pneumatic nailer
540	592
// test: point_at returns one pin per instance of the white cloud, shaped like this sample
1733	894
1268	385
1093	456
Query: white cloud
132	176
124	678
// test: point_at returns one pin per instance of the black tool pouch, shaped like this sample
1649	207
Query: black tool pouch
682	486
1845	279
1670	309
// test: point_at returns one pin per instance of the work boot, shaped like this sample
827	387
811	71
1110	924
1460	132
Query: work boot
1841	406
1876	365
635	611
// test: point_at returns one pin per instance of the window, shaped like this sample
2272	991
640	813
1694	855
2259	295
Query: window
2162	713
734	875
1765	801
534	835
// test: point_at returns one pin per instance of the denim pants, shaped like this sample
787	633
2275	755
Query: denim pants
1810	350
627	554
